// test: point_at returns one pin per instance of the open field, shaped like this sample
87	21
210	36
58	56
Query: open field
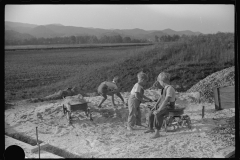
194	62
40	72
67	46
37	73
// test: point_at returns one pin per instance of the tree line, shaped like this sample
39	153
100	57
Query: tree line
167	38
90	39
86	39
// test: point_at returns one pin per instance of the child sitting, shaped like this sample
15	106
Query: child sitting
165	102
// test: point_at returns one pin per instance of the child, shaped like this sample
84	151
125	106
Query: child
136	97
110	88
165	102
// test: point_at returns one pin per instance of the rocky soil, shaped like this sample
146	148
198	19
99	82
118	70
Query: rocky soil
107	137
225	77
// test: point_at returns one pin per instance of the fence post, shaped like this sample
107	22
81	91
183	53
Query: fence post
203	109
38	143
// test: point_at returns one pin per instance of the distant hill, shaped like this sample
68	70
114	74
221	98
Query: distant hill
43	31
19	27
112	33
187	32
180	33
54	30
56	24
19	24
134	33
155	33
13	35
71	30
7	27
170	32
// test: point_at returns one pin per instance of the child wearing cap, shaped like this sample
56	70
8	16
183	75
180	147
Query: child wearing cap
110	88
136	97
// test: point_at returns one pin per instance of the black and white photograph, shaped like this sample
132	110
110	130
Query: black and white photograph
119	80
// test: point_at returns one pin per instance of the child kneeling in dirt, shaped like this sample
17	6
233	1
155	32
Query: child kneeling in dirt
164	103
110	88
136	97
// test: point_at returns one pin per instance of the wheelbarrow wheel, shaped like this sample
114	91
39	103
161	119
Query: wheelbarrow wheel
91	119
69	117
165	124
180	122
189	123
175	124
64	110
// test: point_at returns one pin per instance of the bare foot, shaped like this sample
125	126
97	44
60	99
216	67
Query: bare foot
149	131
130	128
155	136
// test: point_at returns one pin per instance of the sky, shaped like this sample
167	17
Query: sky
203	18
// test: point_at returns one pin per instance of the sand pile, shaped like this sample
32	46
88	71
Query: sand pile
71	91
225	77
107	137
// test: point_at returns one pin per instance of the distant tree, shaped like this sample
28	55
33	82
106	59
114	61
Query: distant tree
73	39
127	40
156	38
94	39
41	40
104	39
80	39
118	39
175	37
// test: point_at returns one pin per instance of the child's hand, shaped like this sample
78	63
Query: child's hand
150	100
155	112
153	108
142	101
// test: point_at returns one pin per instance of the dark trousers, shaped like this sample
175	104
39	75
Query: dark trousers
157	120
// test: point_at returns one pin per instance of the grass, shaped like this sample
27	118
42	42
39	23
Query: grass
38	73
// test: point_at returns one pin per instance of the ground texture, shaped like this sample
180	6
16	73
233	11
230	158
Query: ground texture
107	136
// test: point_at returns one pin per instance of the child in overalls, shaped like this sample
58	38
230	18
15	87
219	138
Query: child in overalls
165	102
136	97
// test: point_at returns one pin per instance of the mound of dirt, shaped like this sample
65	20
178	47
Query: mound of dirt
221	78
57	95
107	136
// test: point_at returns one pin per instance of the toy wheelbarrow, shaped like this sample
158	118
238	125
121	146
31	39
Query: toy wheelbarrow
177	118
69	107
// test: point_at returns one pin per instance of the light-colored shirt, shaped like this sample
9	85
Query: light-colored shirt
170	92
137	88
111	86
108	88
